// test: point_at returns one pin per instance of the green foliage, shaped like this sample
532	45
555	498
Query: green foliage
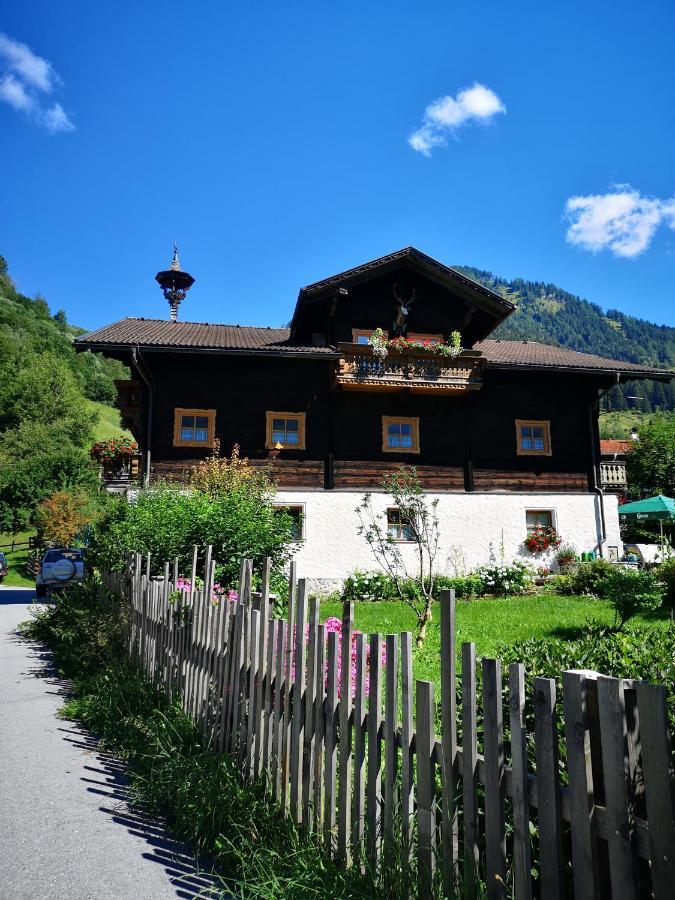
369	587
502	578
632	591
464	586
666	573
651	463
45	418
584	578
167	522
634	652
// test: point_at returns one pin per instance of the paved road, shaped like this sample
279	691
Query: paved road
66	831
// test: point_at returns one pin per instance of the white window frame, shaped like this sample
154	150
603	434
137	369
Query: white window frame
541	509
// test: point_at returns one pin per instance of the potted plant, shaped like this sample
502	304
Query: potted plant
566	555
382	344
114	455
542	538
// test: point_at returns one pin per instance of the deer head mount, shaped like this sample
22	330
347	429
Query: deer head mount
403	306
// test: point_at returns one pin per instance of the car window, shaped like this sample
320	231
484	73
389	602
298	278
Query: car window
52	556
3	559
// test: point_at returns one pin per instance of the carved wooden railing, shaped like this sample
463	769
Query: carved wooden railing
613	475
416	370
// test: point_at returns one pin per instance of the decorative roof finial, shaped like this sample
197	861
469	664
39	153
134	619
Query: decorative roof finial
175	262
175	283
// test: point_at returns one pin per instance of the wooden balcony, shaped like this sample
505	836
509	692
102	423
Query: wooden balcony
415	371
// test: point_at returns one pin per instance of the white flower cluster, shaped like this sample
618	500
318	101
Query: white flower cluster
505	578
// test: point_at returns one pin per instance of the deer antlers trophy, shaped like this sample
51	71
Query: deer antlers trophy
402	310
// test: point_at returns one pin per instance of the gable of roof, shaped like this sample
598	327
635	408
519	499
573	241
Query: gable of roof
482	297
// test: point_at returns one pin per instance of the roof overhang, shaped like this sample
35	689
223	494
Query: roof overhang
215	351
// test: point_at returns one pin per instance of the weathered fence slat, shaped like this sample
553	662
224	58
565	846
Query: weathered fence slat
345	757
426	806
279	689
319	724
469	768
493	736
659	785
374	777
407	770
449	838
390	734
308	743
548	789
360	712
297	724
330	775
522	878
288	700
577	741
617	786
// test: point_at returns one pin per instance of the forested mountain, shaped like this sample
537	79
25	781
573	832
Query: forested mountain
547	313
46	422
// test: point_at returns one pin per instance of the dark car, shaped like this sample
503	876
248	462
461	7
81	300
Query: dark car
3	566
60	568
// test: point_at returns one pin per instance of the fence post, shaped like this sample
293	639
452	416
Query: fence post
345	780
426	816
448	739
331	745
493	740
390	735
297	724
522	877
469	769
548	789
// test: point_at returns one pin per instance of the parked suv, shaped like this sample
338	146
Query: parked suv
3	566
59	568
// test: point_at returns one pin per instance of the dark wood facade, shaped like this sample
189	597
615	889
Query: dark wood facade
467	440
466	408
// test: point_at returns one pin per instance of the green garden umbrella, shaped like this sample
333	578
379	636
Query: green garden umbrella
651	509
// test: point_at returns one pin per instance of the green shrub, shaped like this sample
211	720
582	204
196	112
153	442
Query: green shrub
587	577
666	573
635	652
505	578
464	586
369	587
632	591
561	584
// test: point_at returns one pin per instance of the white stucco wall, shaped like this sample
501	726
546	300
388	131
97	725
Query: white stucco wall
469	524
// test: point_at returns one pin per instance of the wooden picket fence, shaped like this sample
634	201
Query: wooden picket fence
357	760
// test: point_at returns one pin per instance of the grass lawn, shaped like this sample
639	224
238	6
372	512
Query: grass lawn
488	622
16	560
108	424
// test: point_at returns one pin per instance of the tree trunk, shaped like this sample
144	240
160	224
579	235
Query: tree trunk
422	623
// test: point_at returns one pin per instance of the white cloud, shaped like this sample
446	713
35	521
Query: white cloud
55	119
444	116
622	221
25	79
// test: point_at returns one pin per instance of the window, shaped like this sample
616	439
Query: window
400	435
297	514
397	527
432	338
194	427
538	518
361	335
533	438
287	429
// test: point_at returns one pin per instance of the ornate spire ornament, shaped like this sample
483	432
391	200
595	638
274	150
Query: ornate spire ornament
175	283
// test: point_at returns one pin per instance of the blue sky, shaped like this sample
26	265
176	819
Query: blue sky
273	142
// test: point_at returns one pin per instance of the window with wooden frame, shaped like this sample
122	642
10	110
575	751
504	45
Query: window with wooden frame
400	435
533	437
361	335
539	518
398	528
432	338
286	429
297	513
194	427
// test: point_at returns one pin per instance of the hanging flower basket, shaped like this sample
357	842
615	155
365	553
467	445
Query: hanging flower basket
542	539
114	450
382	345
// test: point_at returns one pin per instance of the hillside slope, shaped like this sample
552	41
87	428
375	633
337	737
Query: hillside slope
551	315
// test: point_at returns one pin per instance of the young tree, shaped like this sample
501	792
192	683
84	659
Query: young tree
651	462
419	523
61	516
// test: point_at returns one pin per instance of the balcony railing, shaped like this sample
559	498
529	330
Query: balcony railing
613	475
419	371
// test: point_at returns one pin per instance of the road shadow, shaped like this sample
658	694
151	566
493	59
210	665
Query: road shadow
105	776
10	595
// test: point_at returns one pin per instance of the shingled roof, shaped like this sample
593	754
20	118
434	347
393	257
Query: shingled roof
156	334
